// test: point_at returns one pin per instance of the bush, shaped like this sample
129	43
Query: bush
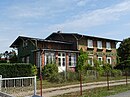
3	61
34	70
71	76
56	78
49	70
16	70
116	73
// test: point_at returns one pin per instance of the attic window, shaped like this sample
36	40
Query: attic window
25	43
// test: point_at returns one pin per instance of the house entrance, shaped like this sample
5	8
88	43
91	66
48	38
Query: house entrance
61	62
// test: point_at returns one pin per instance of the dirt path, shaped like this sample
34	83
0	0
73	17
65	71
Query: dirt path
69	90
49	92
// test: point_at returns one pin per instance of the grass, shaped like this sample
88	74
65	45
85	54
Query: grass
98	92
47	84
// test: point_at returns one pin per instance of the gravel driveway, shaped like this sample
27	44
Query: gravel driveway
124	94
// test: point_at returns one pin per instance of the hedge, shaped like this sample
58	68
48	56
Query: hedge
8	70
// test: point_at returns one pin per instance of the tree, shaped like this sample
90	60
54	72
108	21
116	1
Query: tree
97	66
13	58
124	54
124	49
107	68
81	62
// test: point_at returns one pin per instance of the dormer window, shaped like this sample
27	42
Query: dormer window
90	43
108	45
99	44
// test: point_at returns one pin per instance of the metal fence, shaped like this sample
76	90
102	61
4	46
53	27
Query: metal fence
18	87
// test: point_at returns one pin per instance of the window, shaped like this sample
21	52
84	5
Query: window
109	60
23	59
63	61
90	43
108	45
72	59
25	43
90	61
38	59
59	61
27	59
49	58
99	44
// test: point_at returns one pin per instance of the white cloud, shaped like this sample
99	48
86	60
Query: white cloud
81	22
82	2
40	9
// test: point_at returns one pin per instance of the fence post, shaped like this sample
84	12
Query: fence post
0	81
35	86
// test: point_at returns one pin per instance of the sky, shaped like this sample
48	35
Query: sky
40	18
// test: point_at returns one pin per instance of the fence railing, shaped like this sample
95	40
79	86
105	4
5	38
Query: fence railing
18	87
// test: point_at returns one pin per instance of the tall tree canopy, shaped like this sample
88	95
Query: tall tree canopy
124	50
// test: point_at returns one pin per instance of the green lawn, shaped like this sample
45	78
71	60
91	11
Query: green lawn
98	92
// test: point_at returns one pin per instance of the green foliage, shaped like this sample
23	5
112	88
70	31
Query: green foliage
72	76
116	73
107	67
3	61
34	70
56	78
16	70
124	49
87	67
13	59
81	60
49	70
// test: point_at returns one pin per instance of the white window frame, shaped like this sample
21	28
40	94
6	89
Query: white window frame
90	43
89	60
51	56
108	45
99	44
38	59
109	58
73	59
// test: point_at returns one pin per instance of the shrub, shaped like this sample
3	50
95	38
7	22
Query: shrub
34	70
3	61
16	70
116	73
71	76
56	78
49	70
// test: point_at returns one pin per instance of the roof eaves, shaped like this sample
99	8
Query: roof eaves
100	38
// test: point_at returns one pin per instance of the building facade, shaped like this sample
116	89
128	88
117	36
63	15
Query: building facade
63	49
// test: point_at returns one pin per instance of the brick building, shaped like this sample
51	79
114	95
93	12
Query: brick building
63	49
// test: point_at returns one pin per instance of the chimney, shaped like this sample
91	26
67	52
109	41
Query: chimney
58	31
